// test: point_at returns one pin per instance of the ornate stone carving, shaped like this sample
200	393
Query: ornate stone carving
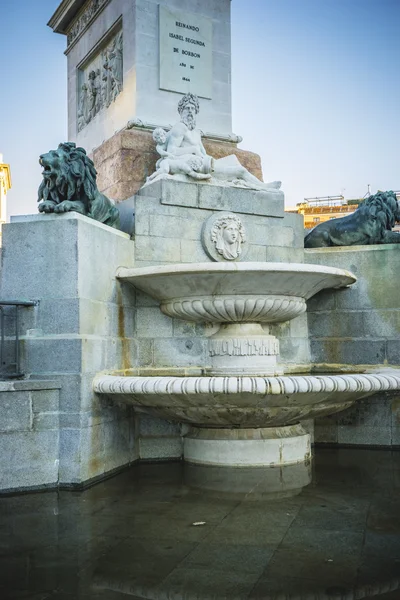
240	297
371	223
101	82
69	184
229	309
183	142
267	346
84	18
224	237
228	236
245	401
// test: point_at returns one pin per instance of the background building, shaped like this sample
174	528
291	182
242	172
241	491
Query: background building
5	185
323	208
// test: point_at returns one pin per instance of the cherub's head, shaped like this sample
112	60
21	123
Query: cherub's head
159	135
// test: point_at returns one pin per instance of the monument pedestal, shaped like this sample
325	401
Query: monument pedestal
272	446
125	160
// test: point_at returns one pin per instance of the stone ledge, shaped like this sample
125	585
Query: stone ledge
216	197
29	385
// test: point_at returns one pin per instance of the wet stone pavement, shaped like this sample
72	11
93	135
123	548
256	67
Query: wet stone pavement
174	531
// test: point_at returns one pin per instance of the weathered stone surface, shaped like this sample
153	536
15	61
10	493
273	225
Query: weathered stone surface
15	411
248	447
358	326
177	193
240	200
29	459
161	448
185	352
151	323
150	427
123	190
45	421
45	400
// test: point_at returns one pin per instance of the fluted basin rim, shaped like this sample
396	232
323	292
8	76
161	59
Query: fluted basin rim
182	280
245	402
277	385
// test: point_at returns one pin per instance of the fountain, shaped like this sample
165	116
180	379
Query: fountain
243	405
242	409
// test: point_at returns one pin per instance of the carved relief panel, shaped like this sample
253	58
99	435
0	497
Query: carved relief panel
224	237
100	81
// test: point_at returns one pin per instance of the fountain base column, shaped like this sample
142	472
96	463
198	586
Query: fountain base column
243	349
269	446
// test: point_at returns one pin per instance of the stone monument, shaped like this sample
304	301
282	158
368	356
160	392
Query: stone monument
129	63
182	144
87	336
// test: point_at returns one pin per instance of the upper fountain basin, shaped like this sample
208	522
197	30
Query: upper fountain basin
235	292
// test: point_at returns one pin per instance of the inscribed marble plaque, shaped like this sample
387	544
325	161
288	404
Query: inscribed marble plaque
185	52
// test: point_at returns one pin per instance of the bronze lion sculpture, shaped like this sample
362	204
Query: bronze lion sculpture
69	183
371	223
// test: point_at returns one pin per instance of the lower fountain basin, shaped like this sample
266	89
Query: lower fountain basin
244	402
245	421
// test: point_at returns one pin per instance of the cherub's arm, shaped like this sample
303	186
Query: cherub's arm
161	150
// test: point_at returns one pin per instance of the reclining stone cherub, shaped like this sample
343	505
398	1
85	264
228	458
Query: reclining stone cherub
183	141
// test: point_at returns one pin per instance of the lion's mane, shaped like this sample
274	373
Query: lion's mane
371	223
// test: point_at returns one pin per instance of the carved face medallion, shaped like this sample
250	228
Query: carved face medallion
224	237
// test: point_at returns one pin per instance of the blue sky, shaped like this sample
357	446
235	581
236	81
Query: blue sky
315	88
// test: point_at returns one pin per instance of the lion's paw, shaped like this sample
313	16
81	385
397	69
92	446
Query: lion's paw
63	206
47	206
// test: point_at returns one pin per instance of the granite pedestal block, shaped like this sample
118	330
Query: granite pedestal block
82	324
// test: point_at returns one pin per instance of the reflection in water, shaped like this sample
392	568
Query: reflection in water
263	534
258	483
280	593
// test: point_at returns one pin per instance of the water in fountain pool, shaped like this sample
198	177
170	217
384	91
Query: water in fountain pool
178	531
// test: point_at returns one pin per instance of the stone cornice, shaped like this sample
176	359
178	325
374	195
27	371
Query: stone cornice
65	13
73	17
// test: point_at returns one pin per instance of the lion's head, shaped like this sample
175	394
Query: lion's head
69	184
383	207
68	174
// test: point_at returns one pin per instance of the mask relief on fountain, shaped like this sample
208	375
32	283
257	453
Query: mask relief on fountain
224	237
